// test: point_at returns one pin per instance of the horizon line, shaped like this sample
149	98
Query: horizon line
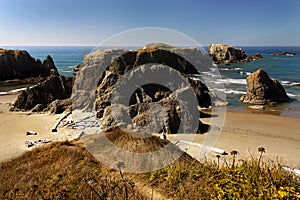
91	45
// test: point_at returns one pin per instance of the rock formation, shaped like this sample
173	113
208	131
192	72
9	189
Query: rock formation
18	64
43	94
138	103
257	56
263	90
225	54
280	53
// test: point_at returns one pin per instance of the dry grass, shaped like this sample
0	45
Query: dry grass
135	142
66	170
62	170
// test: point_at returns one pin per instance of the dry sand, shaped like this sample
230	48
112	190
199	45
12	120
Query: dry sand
244	132
14	125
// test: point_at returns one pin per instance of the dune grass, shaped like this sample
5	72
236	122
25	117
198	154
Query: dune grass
66	170
245	180
62	170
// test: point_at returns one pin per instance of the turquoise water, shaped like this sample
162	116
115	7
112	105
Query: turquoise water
285	69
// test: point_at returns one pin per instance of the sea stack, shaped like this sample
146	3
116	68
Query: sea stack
261	90
226	54
222	53
18	64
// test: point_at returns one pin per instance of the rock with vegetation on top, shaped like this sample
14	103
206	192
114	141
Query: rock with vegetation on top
261	90
18	64
225	54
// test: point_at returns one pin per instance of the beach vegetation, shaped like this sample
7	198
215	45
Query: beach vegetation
66	170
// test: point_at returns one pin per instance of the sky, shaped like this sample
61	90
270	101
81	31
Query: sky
89	22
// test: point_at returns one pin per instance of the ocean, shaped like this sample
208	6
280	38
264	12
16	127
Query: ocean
286	69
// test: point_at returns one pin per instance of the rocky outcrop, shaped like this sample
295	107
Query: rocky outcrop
39	97
18	64
138	103
280	53
263	90
257	56
225	54
59	106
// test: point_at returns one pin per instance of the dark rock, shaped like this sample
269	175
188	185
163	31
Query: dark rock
42	94
257	56
77	68
225	54
280	53
18	64
50	66
263	90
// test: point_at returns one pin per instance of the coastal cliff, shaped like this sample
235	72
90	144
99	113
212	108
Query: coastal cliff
50	93
18	64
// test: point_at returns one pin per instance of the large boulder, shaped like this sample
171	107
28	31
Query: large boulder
263	90
138	103
225	54
18	64
41	95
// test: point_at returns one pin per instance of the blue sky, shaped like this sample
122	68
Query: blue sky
66	22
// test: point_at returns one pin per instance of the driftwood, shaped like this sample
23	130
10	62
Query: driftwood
30	143
54	129
293	171
216	150
31	133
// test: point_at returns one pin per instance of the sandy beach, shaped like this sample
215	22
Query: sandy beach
14	125
244	132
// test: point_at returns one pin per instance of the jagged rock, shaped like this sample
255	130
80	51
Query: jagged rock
42	94
77	68
280	53
257	56
59	106
225	54
140	101
263	90
18	64
222	53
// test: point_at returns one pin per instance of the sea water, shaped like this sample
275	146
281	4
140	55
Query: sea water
286	69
